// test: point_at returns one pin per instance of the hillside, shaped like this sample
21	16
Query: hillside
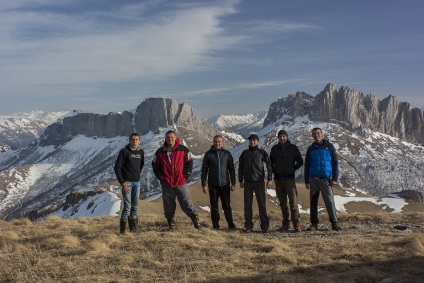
369	249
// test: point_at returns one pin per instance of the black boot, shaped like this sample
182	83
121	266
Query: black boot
195	219
122	226
171	223
133	223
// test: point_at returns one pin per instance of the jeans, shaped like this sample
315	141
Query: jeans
130	200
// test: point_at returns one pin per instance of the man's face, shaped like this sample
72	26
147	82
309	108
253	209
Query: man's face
253	142
134	141
218	142
317	135
282	138
170	139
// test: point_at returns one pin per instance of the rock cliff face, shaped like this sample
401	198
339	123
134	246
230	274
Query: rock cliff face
150	115
354	111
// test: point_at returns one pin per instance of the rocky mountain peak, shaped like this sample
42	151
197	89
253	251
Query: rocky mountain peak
150	115
354	111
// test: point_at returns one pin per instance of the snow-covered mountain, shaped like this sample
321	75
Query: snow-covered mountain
240	124
379	145
78	154
20	129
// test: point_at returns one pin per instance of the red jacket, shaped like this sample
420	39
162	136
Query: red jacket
174	171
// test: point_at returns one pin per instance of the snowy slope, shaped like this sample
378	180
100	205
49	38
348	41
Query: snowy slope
240	124
20	129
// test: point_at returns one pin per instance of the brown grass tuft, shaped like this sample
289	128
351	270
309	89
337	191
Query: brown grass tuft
21	222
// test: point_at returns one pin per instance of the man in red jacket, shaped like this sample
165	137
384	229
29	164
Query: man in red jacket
172	165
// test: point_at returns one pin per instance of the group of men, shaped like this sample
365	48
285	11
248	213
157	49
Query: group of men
172	165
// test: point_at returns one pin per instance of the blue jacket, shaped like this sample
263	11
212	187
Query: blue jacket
321	161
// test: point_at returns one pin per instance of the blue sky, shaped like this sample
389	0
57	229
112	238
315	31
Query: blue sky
221	57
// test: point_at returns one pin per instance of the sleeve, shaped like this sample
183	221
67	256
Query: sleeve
156	165
298	159
142	161
231	169
268	165
241	167
118	166
205	169
188	165
334	164
307	164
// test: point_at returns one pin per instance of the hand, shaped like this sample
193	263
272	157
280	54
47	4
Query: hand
205	189
269	184
307	186
125	188
241	185
233	188
333	183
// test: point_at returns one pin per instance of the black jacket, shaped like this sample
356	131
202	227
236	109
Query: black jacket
251	165
218	168
129	164
285	160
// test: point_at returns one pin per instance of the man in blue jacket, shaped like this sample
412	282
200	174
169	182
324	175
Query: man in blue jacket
218	169
321	173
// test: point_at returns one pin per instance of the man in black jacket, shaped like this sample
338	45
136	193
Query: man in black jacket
128	168
251	174
285	160
218	169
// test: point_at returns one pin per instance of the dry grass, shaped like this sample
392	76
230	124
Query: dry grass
91	250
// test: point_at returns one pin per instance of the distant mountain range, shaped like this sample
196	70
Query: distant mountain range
240	124
380	146
20	129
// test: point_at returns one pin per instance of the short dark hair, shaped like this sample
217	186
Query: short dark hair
316	129
135	134
170	132
218	136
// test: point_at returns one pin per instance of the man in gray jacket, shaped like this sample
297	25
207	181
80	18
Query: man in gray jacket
251	174
218	169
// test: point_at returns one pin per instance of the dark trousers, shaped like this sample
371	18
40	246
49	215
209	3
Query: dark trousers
259	189
183	195
286	188
223	193
323	186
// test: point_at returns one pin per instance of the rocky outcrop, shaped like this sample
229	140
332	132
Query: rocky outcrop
150	115
154	113
354	111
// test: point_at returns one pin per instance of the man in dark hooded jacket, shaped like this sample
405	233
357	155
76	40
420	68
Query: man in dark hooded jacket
285	160
128	168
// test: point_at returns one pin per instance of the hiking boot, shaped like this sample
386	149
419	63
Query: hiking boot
248	230
232	228
133	223
195	219
122	226
285	227
313	227
335	226
171	224
296	226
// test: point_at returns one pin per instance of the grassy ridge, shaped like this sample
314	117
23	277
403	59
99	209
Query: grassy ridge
91	250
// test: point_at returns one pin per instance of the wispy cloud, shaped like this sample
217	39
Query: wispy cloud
242	86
